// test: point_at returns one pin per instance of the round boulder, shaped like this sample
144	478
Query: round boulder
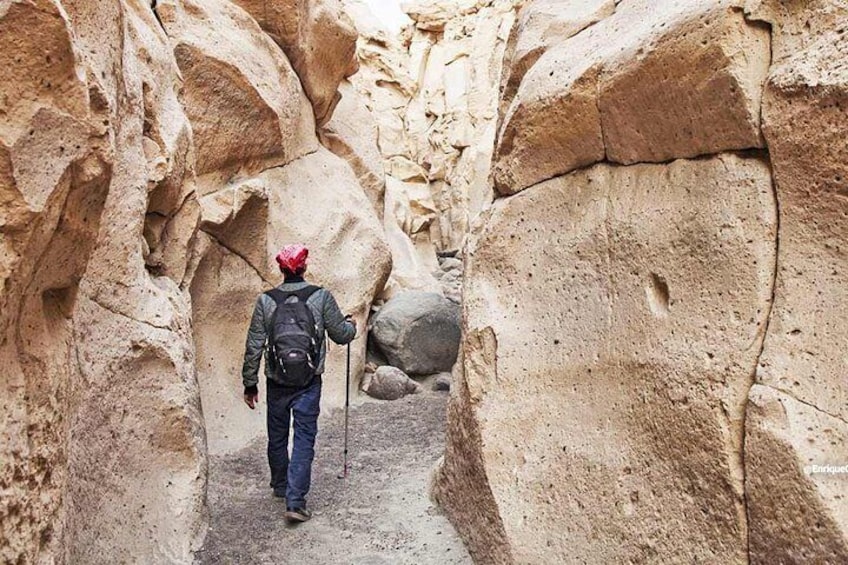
418	332
389	383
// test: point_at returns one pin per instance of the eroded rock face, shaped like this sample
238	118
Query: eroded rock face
146	177
353	135
628	319
804	110
650	359
74	202
796	442
541	25
649	83
320	41
242	96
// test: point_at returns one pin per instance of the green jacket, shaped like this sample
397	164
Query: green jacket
328	317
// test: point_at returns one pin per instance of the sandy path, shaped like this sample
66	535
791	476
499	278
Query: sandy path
380	515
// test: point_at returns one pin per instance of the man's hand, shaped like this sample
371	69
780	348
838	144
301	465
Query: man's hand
349	319
251	398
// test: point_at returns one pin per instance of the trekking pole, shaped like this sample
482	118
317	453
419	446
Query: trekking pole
346	415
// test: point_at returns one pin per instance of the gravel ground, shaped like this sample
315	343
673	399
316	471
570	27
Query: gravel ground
381	514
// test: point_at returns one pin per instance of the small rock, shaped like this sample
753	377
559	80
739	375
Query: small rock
450	276
442	381
453	293
389	383
451	264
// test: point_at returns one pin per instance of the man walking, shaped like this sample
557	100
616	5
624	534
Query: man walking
290	322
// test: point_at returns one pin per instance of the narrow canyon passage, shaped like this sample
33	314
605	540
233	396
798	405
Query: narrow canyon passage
615	230
381	514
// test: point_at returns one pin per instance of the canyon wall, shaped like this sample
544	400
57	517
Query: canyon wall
654	318
649	199
431	81
152	161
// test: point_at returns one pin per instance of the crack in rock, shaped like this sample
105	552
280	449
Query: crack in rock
240	256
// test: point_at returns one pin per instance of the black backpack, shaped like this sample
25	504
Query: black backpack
294	337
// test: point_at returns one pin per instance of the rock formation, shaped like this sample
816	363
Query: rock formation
799	406
653	319
99	386
418	332
151	162
319	40
641	204
389	383
433	89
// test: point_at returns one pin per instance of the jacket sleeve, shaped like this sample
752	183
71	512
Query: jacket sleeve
340	330
254	346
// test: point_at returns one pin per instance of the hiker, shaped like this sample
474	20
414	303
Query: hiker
289	322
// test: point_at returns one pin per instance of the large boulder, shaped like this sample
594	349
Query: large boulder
418	332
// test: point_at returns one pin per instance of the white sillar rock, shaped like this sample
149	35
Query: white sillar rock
804	358
244	100
318	39
649	354
541	25
407	220
352	134
796	468
100	400
433	91
612	322
650	83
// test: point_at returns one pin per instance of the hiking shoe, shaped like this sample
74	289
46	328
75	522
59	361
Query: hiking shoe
297	515
279	493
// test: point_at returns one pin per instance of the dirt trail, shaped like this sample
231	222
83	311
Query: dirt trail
380	515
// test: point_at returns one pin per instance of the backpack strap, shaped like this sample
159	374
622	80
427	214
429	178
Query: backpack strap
280	296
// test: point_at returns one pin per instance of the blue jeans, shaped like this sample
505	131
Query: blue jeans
291	476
